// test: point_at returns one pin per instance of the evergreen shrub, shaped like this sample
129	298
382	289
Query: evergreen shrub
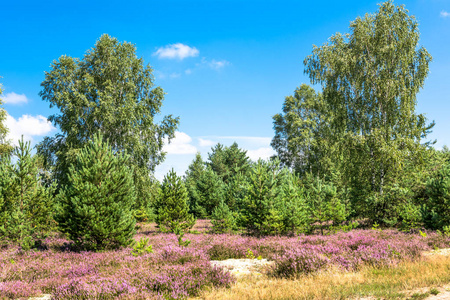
98	199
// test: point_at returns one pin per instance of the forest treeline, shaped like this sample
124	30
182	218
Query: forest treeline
355	152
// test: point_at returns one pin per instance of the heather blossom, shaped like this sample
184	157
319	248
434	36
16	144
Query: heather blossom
174	272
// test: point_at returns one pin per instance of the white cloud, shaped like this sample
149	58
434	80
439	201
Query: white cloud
28	126
176	51
188	72
213	64
13	98
445	14
217	64
205	142
263	153
181	144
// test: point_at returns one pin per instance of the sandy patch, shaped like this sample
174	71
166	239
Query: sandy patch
241	267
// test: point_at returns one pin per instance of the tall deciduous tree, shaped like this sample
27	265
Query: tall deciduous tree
302	132
111	91
370	79
5	147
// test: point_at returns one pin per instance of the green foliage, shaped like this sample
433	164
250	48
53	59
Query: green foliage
273	222
394	207
210	190
434	291
262	210
323	204
98	198
274	201
236	191
363	127
347	227
410	216
294	207
302	132
221	178
375	226
142	247
222	219
26	206
249	254
192	177
172	205
446	230
111	91
196	168
179	232
5	146
144	207
438	191
226	162
205	187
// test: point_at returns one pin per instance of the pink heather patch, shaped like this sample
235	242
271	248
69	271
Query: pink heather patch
173	272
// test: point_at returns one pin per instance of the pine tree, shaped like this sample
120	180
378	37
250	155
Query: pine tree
193	174
210	189
26	206
294	207
323	204
261	212
222	219
98	199
172	206
143	209
438	192
237	162
196	168
8	195
236	191
226	162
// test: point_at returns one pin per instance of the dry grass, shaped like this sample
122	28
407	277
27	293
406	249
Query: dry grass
398	282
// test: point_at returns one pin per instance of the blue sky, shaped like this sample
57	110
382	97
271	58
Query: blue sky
226	65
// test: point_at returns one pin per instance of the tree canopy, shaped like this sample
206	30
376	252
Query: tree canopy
228	161
363	128
302	131
110	91
5	147
370	79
